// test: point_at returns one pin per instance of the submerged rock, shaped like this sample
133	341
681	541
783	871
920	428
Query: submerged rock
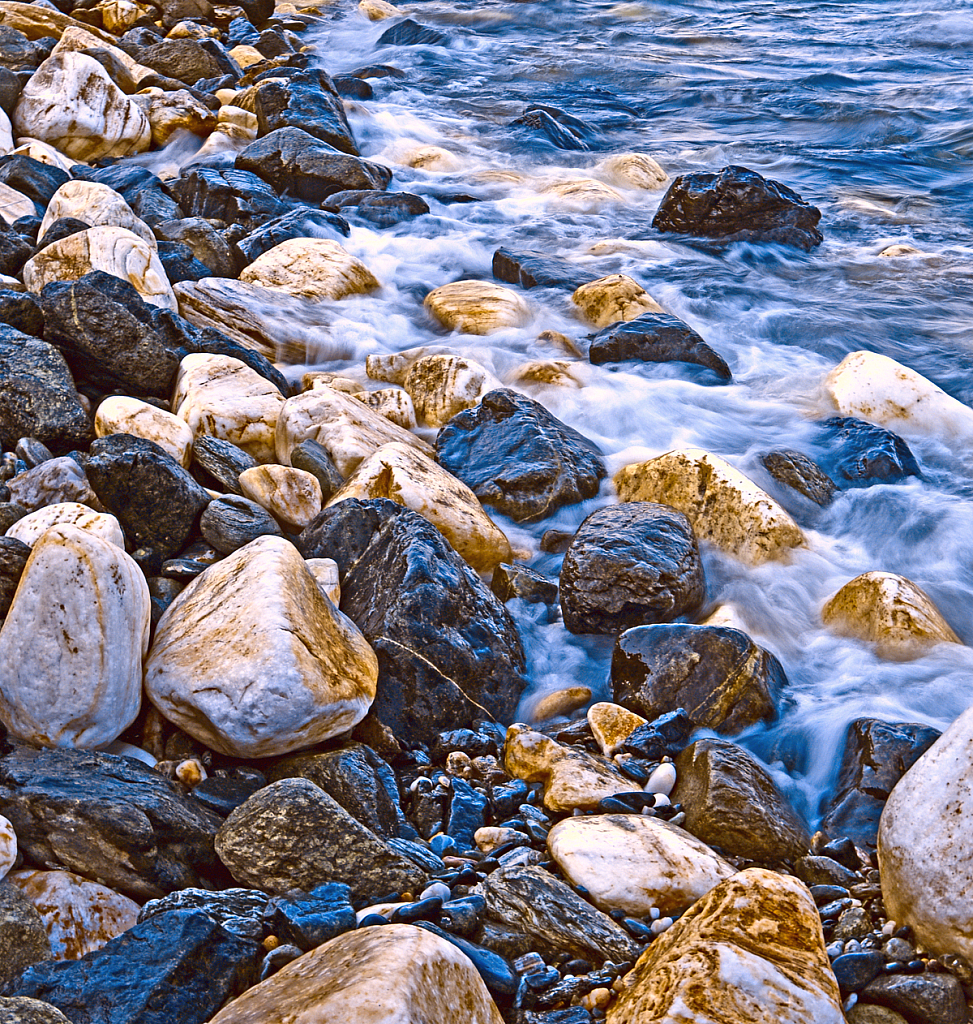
797	471
609	299
532	269
861	453
477	307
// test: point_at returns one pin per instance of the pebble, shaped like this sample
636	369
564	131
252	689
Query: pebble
662	780
8	847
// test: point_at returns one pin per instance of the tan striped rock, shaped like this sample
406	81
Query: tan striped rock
443	385
613	298
311	268
477	307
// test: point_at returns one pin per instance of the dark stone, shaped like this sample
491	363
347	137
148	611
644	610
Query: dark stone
814	870
731	801
15	250
291	834
461	916
298	164
257	11
174	11
383	209
410	33
13	557
738	205
240	911
860	454
532	269
510	581
223	794
379	71
24	1010
146	193
843	851
117	71
307	101
206	243
107	818
10	513
921	999
271	44
666	736
515	456
561	129
308	921
313	458
572	1015
631	564
824	894
448	651
238	197
720	676
556	542
655	338
223	461
232	521
180	966
876	755
797	471
855	970
301	223
23	936
10	90
64	227
35	180
472	743
353	88
497	974
179	263
157	502
466	812
38	397
185	60
17	52
20	311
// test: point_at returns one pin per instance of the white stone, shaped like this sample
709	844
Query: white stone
392	403
246	56
393	367
311	268
489	837
631	862
171	112
325	571
73	641
115	250
633	170
38	21
406	475
554	372
122	415
613	298
220	396
377	10
14	204
876	388
95	204
430	158
43	153
290	495
477	307
77	38
723	505
347	428
585	194
72	103
253	661
611	725
67	513
8	847
118	16
662	779
443	385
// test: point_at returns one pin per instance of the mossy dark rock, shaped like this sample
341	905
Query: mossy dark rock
797	471
23	936
720	676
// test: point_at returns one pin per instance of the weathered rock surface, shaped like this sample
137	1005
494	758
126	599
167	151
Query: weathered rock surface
611	725
477	307
233	521
630	565
749	952
291	495
311	268
252	660
237	197
860	454
723	505
293	835
613	298
94	204
441	386
720	676
926	998
731	802
35	524
448	651
175	111
304	222
24	1010
121	415
23	938
518	458
738	205
798	472
51	482
532	269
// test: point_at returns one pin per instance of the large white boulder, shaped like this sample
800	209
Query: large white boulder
290	495
35	524
311	268
96	205
73	642
254	661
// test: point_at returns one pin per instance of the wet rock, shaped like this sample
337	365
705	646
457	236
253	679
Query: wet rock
311	268
441	385
291	834
655	338
518	458
237	910
609	299
731	801
737	204
23	938
546	915
179	263
633	170
477	307
411	33
723	505
611	725
252	660
720	676
854	971
563	130
750	950
819	870
109	818
449	653
510	581
797	471
630	565
876	755
233	521
861	453
532	269
925	998
665	736
38	181
179	966
301	223
119	415
234	196
386	209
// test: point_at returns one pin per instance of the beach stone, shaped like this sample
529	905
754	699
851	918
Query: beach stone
861	453
798	472
178	966
185	60
313	458
890	611
15	251
219	396
750	951
116	251
723	505
50	483
73	665
304	222
32	178
876	755
655	338
393	367
571	777
38	398
120	415
15	205
872	1013
72	103
208	245
21	311
441	386
630	565
79	915
821	870
34	525
311	268
237	197
449	653
13	558
632	862
176	111
392	403
238	910
222	461
407	476
613	298
94	204
731	801
292	496
347	429
563	702
518	458
111	819
633	170
737	204
925	998
252	660
532	269
477	307
611	725
397	973
720	676
233	521
8	847
23	939
23	1010
383	209
551	917
291	834
510	581
154	498
325	571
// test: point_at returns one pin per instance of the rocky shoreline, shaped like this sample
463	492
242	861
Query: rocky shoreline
258	679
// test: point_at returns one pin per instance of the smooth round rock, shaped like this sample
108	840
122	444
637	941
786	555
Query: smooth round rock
477	307
34	525
613	298
311	268
291	495
233	521
121	415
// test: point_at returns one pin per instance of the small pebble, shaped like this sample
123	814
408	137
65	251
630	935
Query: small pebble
654	913
438	889
661	801
662	779
661	925
678	819
890	928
